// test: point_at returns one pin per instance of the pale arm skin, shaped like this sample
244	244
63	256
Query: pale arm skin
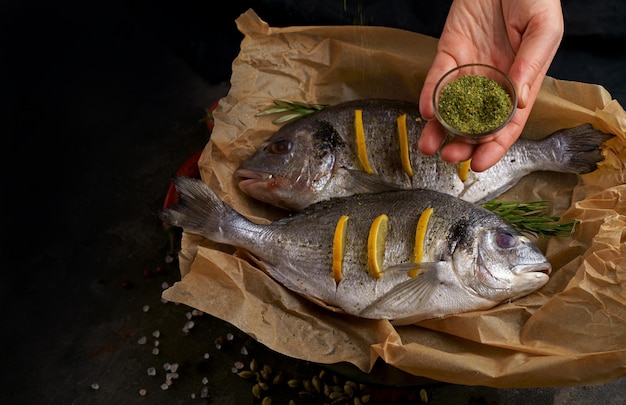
519	37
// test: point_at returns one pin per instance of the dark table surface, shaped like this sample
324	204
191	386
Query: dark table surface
102	102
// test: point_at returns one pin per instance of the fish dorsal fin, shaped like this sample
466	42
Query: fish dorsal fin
363	182
412	293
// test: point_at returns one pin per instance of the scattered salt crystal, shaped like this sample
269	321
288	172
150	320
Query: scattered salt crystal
164	301
188	315
142	340
229	336
204	392
206	356
155	351
95	386
146	308
188	326
218	346
174	367
143	392
205	381
239	365
169	259
156	333
171	376
156	343
234	370
167	366
193	395
164	386
165	285
168	382
196	312
151	371
244	350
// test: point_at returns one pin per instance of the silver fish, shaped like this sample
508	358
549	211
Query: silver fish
472	259
316	158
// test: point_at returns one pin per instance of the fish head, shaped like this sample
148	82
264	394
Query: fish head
291	169
505	265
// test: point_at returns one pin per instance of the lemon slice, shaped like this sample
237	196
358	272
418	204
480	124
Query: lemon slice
360	141
339	240
464	168
420	234
376	245
404	145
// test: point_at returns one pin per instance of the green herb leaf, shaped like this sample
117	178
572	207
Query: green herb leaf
295	108
531	218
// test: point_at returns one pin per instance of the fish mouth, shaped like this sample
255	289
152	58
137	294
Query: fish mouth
544	268
250	177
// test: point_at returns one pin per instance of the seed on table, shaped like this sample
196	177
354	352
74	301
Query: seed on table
317	384
293	383
246	374
256	391
278	378
254	365
266	401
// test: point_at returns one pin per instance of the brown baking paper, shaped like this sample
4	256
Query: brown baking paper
572	331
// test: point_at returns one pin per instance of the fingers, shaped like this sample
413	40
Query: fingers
539	41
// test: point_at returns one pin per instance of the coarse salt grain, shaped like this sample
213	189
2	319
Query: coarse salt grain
205	381
142	340
151	371
145	308
244	350
206	356
229	336
174	367
165	285
155	351
95	386
156	333
143	392
164	386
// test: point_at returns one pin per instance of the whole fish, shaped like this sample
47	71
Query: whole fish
469	258
318	157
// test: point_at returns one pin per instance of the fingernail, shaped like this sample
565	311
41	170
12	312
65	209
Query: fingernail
523	97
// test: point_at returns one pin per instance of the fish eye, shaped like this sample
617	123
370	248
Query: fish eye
505	240
280	147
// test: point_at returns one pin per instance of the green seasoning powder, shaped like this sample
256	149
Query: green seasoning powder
474	104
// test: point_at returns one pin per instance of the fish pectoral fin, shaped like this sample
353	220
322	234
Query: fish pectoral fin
363	182
421	283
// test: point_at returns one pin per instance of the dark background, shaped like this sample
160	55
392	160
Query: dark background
102	101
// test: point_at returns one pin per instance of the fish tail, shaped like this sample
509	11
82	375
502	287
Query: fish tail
199	210
579	148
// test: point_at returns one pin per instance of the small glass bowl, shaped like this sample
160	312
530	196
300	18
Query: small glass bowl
475	69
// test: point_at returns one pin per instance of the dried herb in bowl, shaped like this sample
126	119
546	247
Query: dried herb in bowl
474	104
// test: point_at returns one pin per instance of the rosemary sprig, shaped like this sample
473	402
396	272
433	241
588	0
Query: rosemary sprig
296	109
531	218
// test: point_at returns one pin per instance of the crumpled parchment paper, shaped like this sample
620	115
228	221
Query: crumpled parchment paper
572	331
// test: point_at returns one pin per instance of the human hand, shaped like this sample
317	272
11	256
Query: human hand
519	37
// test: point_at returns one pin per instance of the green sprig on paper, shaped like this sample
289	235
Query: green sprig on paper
531	217
294	108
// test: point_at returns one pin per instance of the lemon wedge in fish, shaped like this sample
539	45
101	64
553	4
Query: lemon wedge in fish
404	145
339	240
360	141
420	234
376	245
